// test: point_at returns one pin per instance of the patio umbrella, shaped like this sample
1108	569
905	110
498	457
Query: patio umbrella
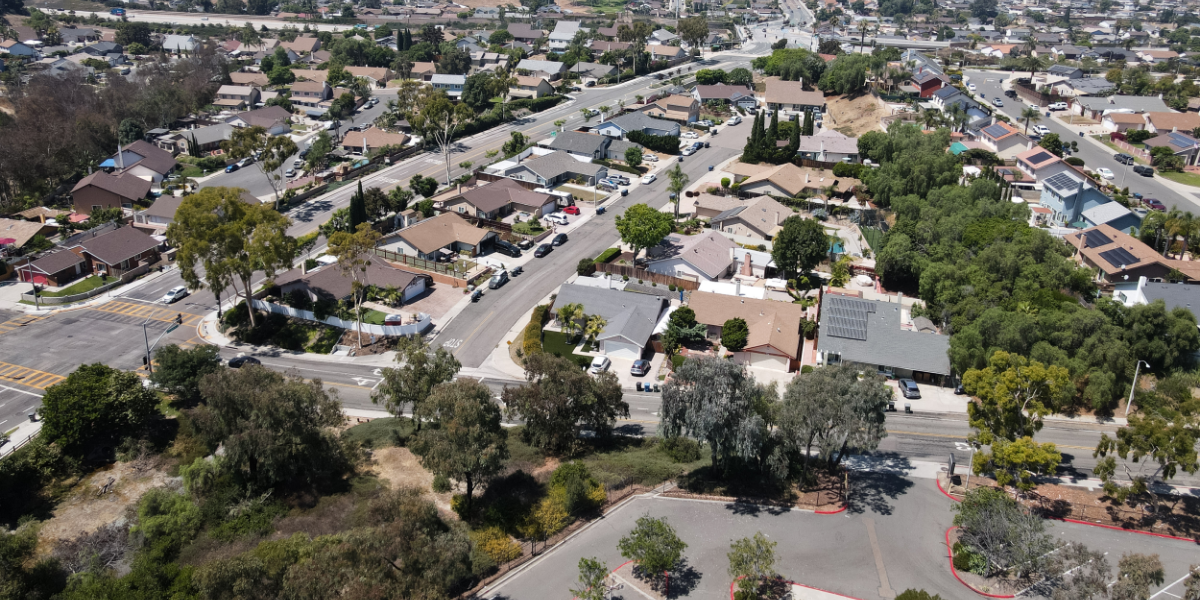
7	241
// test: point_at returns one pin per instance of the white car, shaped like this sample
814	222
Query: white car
688	151
1106	173
290	173
734	121
558	218
600	364
648	179
1041	130
691	135
1035	107
971	86
649	158
174	294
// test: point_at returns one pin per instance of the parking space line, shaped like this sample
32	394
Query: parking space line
16	390
1175	583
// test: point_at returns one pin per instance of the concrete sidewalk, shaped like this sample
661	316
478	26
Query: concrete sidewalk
11	295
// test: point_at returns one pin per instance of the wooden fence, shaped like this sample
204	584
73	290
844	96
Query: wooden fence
643	274
424	265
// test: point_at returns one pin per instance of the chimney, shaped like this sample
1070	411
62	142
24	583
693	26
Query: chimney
737	287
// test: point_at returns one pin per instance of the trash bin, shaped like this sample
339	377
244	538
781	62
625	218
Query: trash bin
908	408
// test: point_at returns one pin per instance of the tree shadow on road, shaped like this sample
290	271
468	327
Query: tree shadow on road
748	508
683	580
886	480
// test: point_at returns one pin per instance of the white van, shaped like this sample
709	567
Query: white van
557	218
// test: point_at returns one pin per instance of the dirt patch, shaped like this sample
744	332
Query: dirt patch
854	116
83	511
401	468
826	494
371	344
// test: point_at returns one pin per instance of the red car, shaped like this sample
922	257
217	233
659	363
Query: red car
571	210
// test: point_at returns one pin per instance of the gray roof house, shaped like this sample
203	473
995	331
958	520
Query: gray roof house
637	121
1085	86
1096	107
631	317
877	335
593	71
557	167
550	69
580	144
1066	71
702	257
1144	291
179	43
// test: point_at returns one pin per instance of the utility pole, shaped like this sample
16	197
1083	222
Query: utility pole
1133	387
145	334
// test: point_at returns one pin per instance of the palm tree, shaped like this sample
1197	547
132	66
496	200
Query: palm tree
569	316
863	28
1179	224
1033	64
587	114
595	326
1031	115
828	191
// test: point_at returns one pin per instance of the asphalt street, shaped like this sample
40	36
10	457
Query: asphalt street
1094	156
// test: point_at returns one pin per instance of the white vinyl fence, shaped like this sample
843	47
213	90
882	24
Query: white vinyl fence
424	322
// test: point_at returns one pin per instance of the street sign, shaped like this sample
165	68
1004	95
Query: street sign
172	328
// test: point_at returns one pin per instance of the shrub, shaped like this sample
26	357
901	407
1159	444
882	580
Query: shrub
663	144
681	449
847	170
1071	160
441	484
725	182
496	544
671	287
580	492
806	369
608	255
585	267
917	595
533	331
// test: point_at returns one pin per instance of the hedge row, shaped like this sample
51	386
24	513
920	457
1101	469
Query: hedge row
536	104
665	144
608	255
533	331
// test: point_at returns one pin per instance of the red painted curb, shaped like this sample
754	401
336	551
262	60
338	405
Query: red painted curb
832	512
734	582
1078	522
950	553
943	491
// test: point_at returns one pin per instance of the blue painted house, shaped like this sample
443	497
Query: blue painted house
1115	215
1068	195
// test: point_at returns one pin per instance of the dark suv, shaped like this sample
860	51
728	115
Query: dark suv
1124	159
506	248
1144	171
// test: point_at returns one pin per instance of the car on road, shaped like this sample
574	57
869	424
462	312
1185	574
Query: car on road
543	250
648	179
559	240
1123	158
689	135
1035	107
498	280
174	294
1042	130
1057	106
705	123
232	168
640	367
238	362
734	121
997	102
1153	204
290	173
909	389
1105	172
600	364
299	162
571	210
504	247
1011	94
1144	171
245	161
971	86
690	150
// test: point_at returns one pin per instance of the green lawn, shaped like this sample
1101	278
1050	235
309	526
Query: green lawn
556	343
380	433
79	287
373	317
1184	178
192	172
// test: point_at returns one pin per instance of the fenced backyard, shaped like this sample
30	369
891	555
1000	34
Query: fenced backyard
644	275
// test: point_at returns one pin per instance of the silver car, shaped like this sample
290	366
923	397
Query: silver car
174	294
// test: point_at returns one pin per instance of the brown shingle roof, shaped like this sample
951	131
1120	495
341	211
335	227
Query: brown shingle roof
373	138
244	78
21	231
265	117
56	261
1126	118
430	235
164	207
311	74
502	193
1166	121
331	281
154	158
794	180
124	185
122	244
774	324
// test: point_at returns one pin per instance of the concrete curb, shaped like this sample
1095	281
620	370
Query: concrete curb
117	292
953	571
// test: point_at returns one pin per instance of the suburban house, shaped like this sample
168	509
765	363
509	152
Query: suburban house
739	95
178	44
310	93
236	96
564	32
16	48
671	54
304	45
1084	86
1038	163
101	190
452	85
207	139
310	74
1003	139
1119	257
631	317
258	80
117	252
1166	122
775	338
589	145
675	107
662	37
1065	71
1157	56
1181	144
376	76
601	47
275	119
702	257
423	71
589	71
525	33
1145	291
828	146
1122	122
58	268
332	283
374	138
443	234
531	87
1096	107
499	199
619	126
142	159
882	337
160	215
926	83
789	181
1068	194
760	219
790	96
551	70
557	167
1113	214
20	232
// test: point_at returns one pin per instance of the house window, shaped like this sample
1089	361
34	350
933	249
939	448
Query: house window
462	209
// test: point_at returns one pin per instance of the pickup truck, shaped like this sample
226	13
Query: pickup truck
1058	106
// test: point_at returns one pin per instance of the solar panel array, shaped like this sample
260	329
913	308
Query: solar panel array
1037	158
1062	181
846	317
1119	257
1181	140
1096	238
996	130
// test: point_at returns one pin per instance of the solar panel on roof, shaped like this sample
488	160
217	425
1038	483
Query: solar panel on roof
845	317
1119	257
1096	238
996	130
1181	140
1062	181
1039	157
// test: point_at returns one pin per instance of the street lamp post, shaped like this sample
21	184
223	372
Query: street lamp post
1133	387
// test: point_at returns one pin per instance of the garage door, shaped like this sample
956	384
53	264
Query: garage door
414	290
623	350
767	361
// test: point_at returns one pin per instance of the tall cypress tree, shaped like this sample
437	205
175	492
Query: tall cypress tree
358	209
793	143
751	153
407	39
773	133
